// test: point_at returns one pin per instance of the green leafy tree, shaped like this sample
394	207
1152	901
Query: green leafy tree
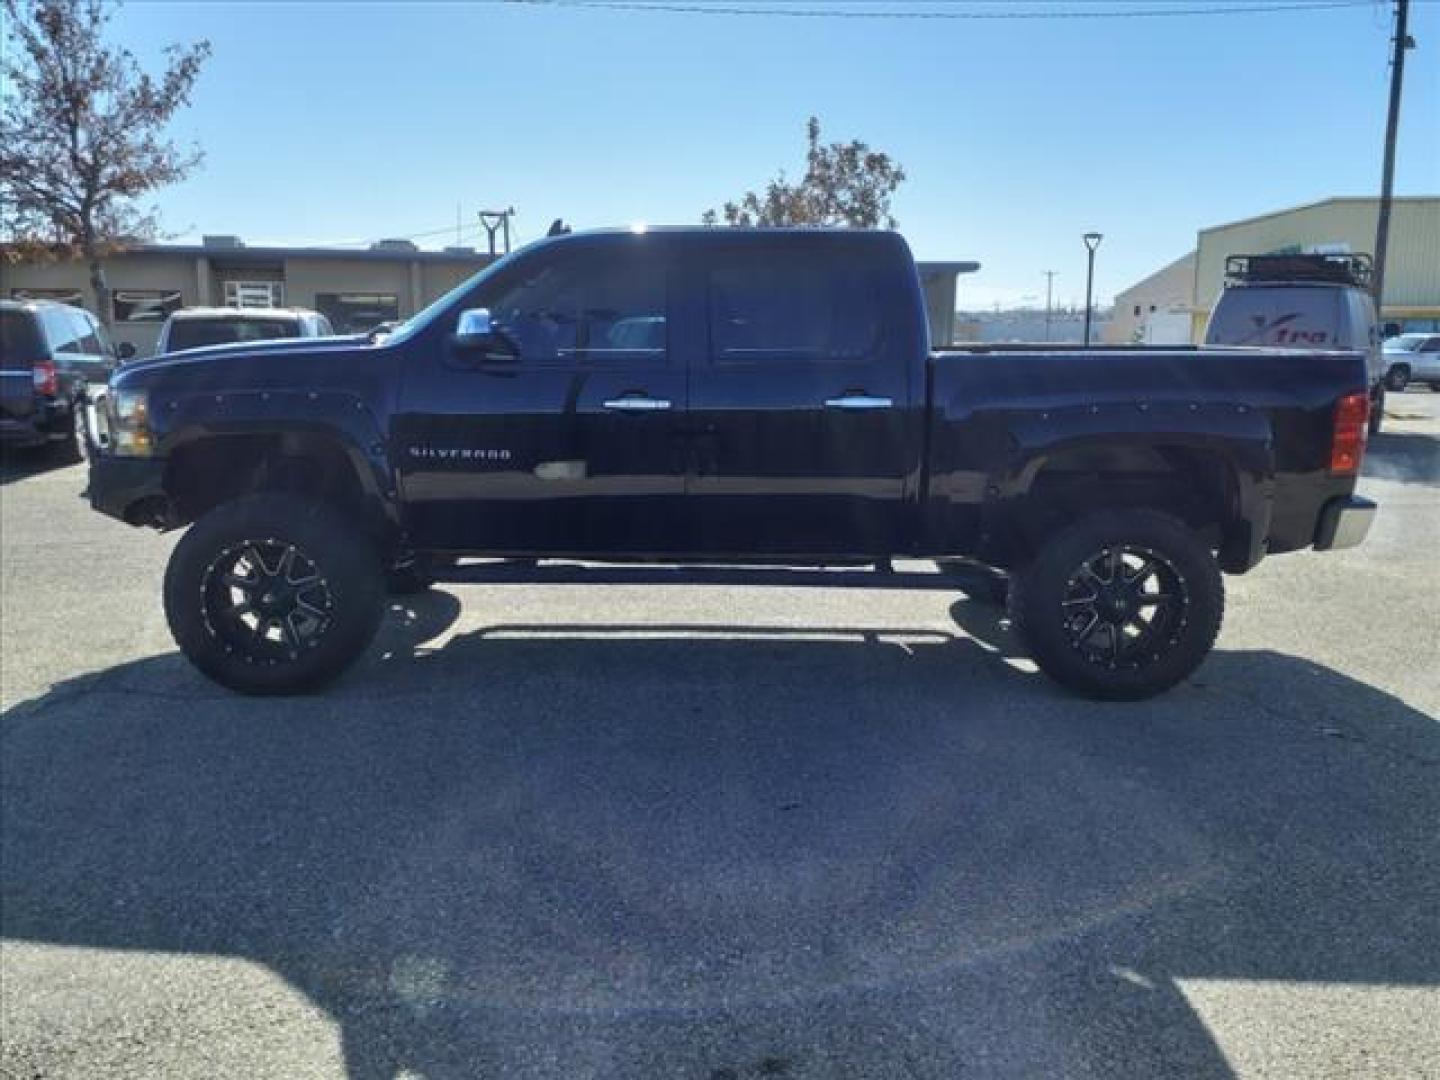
844	184
82	133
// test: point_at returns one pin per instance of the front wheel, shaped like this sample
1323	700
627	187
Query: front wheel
1120	605
1398	377
273	594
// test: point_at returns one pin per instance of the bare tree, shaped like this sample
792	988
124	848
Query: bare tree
844	184
81	133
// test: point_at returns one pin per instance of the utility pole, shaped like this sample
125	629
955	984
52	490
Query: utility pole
1403	41
1049	291
494	221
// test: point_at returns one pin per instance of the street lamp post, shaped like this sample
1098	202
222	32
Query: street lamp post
1092	241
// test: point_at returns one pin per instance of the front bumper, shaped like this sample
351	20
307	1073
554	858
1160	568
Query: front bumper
1344	523
130	489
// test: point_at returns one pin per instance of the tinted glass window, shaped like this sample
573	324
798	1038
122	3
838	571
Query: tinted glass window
192	333
1295	318
21	342
604	310
61	330
87	340
793	308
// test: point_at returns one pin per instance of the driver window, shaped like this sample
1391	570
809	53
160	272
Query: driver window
602	310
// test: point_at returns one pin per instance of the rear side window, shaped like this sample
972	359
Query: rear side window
193	333
21	342
1306	318
770	306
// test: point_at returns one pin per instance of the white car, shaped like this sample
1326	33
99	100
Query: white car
191	328
1412	358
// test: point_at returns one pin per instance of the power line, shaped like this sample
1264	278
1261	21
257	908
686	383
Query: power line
675	7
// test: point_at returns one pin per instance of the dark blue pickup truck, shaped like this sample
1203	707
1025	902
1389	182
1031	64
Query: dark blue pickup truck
740	396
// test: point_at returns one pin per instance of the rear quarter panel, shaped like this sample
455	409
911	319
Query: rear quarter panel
1000	416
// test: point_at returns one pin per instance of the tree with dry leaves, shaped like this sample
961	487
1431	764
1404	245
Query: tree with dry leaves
844	184
82	134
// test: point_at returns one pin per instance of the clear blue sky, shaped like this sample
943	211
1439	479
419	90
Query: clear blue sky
351	121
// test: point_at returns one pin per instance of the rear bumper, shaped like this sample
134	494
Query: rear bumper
50	421
1344	523
129	489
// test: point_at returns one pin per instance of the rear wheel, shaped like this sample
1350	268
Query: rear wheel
273	594
1121	605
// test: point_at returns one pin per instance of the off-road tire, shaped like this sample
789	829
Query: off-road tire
1038	599
337	550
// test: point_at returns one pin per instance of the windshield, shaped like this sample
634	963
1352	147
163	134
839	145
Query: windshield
193	333
1405	343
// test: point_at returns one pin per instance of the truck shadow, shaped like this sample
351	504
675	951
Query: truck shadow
726	851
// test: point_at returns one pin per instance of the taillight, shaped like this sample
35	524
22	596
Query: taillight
1347	440
47	379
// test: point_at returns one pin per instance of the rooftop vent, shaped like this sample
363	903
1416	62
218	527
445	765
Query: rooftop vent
394	245
223	241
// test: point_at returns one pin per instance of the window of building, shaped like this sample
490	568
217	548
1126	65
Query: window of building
767	306
355	313
600	310
253	294
1137	310
144	305
72	297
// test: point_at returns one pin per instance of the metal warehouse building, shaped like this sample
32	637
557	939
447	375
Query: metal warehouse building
355	289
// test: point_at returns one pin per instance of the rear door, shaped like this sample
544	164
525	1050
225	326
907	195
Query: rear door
805	413
574	442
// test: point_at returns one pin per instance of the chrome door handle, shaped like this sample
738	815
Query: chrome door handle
636	403
859	401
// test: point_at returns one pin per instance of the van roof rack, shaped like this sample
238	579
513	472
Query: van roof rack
1338	269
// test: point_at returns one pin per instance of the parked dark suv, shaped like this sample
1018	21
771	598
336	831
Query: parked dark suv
49	353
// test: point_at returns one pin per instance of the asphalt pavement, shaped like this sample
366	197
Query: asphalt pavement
708	829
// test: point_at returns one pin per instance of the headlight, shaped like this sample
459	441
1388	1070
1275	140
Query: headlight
130	423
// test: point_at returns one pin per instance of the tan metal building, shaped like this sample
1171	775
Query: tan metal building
1412	272
355	289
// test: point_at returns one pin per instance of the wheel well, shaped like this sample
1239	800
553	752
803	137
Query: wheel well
203	474
1196	486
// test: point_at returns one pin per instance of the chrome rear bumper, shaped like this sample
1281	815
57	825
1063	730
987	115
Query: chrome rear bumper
1344	523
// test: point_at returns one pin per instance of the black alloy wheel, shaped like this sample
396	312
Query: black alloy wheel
1124	606
266	600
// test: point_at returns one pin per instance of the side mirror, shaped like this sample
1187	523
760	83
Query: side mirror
125	351
476	333
474	329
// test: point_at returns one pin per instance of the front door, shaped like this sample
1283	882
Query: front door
805	424
569	441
